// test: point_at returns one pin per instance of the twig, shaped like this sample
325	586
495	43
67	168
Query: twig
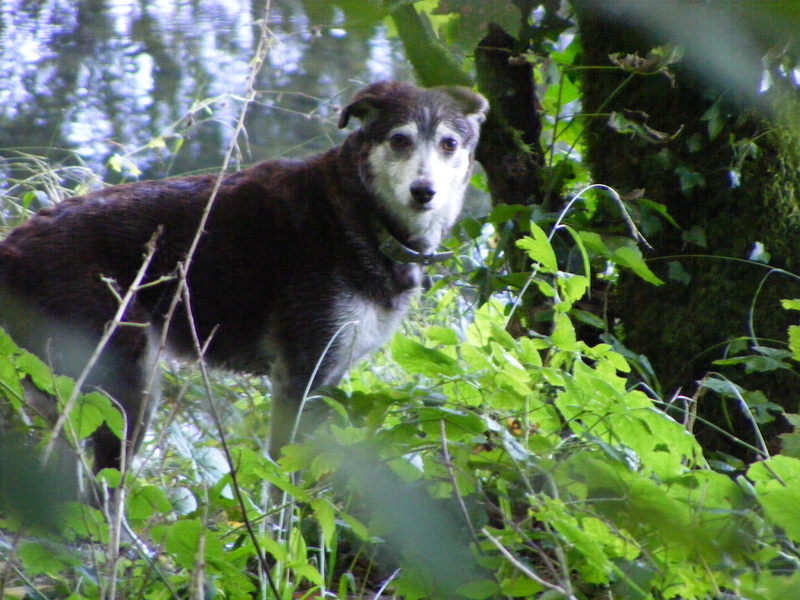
386	583
634	231
525	570
449	464
763	449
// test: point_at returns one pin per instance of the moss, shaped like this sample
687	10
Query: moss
683	328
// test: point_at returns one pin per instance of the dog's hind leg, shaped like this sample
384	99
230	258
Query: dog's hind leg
129	374
66	338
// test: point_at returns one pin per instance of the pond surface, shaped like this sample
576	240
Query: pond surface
159	83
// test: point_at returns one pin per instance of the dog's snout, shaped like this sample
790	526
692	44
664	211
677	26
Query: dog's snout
422	191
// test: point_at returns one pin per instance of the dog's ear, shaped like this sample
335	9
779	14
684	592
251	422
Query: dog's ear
367	103
471	104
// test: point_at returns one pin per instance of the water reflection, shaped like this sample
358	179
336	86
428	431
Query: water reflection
159	82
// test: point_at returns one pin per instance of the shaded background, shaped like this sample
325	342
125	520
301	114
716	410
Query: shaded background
98	78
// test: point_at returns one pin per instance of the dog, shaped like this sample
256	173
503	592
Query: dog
302	267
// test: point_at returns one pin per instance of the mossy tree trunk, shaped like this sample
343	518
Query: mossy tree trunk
683	326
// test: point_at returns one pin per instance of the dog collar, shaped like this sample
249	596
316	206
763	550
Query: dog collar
404	255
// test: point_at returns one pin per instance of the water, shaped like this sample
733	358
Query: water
158	84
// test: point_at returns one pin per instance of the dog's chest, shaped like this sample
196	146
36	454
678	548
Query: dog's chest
364	326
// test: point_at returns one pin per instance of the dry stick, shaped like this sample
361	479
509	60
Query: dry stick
224	442
199	572
258	60
449	464
525	570
386	583
182	290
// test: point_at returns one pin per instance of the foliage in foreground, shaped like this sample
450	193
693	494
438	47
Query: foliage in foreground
463	463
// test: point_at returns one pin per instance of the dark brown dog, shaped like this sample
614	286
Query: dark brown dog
302	267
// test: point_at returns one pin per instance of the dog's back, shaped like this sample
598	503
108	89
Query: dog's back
289	259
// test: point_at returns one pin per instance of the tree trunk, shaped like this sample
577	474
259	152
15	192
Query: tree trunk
683	326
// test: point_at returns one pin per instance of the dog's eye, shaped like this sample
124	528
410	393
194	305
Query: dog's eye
449	144
399	141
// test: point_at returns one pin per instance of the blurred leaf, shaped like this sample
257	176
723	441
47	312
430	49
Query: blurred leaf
145	501
42	558
326	518
695	235
183	542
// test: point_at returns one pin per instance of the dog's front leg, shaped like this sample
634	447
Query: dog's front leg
289	421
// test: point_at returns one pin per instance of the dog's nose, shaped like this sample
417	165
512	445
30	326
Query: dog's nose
422	191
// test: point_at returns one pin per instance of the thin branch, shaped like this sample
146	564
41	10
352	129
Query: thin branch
524	569
449	464
183	290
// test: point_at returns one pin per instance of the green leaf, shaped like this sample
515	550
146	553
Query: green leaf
689	179
357	527
695	235
520	587
480	589
309	572
46	559
631	258
7	345
84	521
120	163
759	253
507	212
40	373
791	304
563	336
545	288
754	363
539	249
416	358
326	518
279	551
10	382
716	118
458	423
573	287
442	335
146	501
597	566
794	341
587	318
782	507
576	237
183	542
210	464
91	411
678	273
790	444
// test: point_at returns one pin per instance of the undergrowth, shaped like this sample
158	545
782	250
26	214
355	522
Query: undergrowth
461	463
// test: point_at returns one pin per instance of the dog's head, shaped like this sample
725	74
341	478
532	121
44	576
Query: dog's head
419	145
